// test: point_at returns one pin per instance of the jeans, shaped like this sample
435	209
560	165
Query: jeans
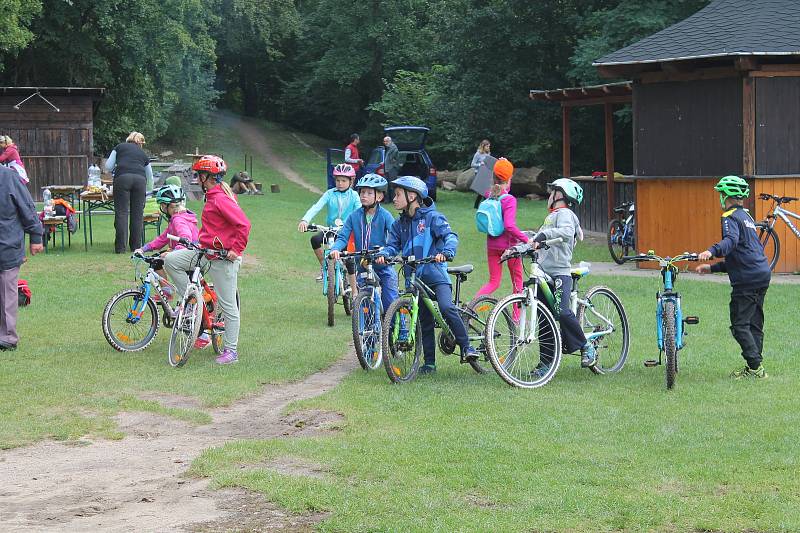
129	196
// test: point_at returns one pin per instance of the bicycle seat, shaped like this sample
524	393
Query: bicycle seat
786	199
463	269
580	271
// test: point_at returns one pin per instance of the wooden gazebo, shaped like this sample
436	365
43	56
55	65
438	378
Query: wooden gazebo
53	127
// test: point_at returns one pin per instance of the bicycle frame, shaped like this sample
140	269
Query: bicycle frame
784	214
150	280
668	294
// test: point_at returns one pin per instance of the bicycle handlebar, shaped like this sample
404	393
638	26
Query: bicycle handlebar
685	256
323	229
514	252
221	253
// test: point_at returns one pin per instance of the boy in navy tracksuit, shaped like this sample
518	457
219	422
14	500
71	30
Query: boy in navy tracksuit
748	270
369	226
422	231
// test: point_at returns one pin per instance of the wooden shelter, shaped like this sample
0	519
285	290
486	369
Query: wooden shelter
53	128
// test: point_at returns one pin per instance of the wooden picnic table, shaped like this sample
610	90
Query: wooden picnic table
94	203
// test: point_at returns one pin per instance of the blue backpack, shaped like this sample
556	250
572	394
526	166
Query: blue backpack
489	218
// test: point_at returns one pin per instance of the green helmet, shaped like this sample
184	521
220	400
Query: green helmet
732	187
173	180
572	191
170	194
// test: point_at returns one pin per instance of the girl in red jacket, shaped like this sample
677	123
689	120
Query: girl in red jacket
224	227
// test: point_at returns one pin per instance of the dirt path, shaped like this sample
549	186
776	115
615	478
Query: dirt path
138	483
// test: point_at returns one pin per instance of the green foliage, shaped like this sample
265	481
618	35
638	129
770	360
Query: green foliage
15	33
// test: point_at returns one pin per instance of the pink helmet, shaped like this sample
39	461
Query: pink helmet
343	169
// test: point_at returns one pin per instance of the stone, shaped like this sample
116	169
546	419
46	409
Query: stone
448	186
464	179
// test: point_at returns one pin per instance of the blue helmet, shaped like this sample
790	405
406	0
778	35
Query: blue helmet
373	181
412	183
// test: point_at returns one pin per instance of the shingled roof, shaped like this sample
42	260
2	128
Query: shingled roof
723	28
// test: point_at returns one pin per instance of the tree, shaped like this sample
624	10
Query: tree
15	33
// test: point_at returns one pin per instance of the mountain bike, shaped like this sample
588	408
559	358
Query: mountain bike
523	338
334	274
131	317
621	234
767	235
402	341
670	321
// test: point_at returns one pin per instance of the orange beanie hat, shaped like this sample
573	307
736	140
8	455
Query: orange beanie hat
503	169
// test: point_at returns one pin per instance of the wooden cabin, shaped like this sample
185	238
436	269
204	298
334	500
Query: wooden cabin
53	128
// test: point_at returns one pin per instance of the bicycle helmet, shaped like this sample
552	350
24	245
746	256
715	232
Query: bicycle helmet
212	164
571	190
732	187
373	181
170	194
503	169
173	180
413	184
343	169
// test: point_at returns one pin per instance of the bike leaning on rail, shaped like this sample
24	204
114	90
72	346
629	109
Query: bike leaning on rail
767	235
670	321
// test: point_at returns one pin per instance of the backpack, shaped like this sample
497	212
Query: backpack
24	292
489	217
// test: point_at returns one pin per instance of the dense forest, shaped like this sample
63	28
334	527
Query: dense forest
461	67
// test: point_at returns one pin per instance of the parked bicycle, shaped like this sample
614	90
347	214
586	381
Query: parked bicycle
523	338
402	341
621	233
670	321
767	235
131	317
334	274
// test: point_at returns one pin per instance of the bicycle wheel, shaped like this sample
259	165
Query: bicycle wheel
475	315
604	310
401	353
670	348
530	361
122	330
769	240
347	292
332	286
615	244
367	327
186	328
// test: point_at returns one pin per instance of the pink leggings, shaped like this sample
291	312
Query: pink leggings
496	272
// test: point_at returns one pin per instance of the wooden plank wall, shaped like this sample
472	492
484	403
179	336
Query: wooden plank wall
777	126
56	147
790	245
593	212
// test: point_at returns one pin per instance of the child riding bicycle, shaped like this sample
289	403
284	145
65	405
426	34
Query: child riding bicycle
369	226
224	226
422	231
341	202
748	271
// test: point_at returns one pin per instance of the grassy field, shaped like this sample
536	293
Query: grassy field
450	452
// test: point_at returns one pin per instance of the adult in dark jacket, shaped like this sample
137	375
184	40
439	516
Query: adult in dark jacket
17	217
391	161
133	177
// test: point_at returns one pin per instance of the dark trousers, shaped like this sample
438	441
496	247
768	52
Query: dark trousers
747	322
9	301
444	296
572	337
129	195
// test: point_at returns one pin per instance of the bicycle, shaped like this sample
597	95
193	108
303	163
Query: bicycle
198	309
621	234
670	321
767	235
402	344
131	317
341	281
524	341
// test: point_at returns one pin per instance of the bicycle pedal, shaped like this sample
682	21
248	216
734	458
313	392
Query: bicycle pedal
691	320
651	363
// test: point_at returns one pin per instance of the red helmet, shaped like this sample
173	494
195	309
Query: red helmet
211	164
343	169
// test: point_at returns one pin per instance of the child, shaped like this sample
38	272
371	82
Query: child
341	202
369	227
748	271
556	261
225	227
422	231
495	246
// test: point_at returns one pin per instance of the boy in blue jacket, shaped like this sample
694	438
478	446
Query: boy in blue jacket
369	226
748	271
422	231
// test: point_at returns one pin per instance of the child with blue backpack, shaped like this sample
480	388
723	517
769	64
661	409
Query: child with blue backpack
369	226
422	231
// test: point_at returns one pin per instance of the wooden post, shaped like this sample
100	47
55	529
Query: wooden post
609	116
748	127
565	141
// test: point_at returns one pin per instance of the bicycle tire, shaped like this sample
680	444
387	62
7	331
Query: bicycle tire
615	245
400	359
367	329
611	349
347	293
186	327
475	316
670	346
769	240
508	354
119	335
332	287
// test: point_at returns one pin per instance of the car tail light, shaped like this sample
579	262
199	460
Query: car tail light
433	171
379	170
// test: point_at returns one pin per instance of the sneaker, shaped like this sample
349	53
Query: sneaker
540	371
227	357
747	372
588	356
427	369
7	347
471	354
202	341
319	278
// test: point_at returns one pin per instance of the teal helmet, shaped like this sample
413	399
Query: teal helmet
170	194
413	184
571	190
732	187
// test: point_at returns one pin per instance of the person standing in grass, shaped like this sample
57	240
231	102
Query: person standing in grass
484	150
748	270
18	216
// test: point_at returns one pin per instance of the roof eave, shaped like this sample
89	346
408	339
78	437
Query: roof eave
686	58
